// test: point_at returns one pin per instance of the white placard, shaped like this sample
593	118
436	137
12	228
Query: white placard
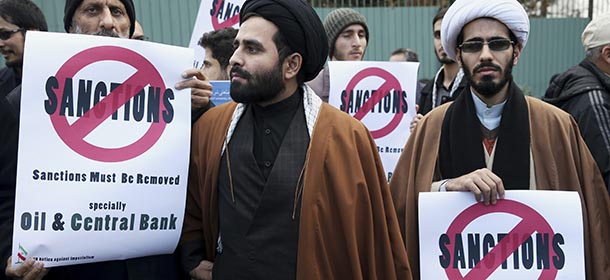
526	235
103	149
382	96
213	15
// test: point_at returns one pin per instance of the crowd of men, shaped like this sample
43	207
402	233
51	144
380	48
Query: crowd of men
284	186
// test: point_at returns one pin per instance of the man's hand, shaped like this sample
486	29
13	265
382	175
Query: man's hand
201	89
30	270
484	184
203	271
415	119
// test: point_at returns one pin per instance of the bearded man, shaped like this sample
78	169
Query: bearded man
282	185
492	138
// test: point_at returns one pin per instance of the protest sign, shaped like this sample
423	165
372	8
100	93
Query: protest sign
526	235
213	15
221	92
382	96
103	149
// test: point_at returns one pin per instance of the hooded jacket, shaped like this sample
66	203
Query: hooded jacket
584	92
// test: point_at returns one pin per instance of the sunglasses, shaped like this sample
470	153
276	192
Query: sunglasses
494	45
6	34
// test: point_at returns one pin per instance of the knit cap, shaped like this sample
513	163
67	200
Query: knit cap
338	20
72	5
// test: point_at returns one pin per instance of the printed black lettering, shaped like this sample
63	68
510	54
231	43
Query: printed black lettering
559	259
50	105
445	258
168	114
84	97
67	100
458	252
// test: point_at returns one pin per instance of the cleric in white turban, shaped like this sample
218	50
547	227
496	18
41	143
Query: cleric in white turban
461	12
490	141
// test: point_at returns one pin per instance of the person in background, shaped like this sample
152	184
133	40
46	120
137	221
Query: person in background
17	17
404	54
584	92
492	138
348	36
138	32
448	81
218	47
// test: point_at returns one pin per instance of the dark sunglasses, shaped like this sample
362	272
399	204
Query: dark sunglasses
494	45
6	34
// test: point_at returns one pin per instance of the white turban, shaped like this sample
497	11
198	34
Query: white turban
461	12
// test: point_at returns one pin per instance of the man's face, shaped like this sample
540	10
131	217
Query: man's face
441	55
212	68
101	17
256	72
488	70
350	44
12	47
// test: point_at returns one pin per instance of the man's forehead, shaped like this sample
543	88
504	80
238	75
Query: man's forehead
356	27
110	3
485	27
256	28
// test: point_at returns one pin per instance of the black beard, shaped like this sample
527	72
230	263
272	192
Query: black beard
261	87
445	60
487	87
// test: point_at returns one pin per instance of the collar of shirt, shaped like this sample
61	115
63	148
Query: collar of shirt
488	116
285	106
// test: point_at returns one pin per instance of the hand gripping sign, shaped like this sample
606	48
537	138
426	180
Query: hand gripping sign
521	236
382	96
103	149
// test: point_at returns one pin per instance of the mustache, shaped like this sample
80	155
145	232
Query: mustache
488	65
240	71
107	33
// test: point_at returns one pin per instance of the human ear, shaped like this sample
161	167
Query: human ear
292	65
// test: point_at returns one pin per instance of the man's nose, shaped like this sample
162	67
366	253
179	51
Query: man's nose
106	19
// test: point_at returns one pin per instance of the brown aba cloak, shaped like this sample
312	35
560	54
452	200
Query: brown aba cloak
561	162
348	227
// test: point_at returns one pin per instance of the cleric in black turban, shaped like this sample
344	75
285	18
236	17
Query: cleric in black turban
299	24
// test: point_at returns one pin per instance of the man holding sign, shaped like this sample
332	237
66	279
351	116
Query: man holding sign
116	18
493	138
282	185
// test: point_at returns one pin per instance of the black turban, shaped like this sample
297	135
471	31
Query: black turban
300	26
72	5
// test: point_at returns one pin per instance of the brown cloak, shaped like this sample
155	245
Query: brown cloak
561	162
348	227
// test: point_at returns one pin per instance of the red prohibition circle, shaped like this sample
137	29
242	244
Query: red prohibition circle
531	222
390	83
74	134
227	23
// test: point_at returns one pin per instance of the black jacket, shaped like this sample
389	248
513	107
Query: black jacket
9	135
425	99
584	92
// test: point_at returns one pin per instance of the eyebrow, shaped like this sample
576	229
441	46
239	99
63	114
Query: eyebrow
488	39
249	42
